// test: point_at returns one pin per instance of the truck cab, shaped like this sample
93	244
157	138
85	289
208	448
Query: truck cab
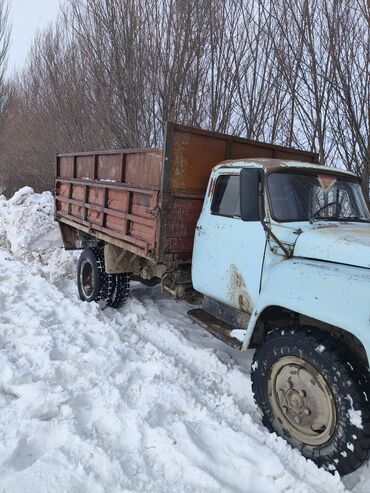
259	213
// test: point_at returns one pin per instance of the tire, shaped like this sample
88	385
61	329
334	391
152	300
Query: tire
92	281
121	290
313	392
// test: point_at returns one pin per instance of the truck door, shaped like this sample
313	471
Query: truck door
228	252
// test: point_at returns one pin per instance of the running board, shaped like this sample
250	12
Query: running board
215	326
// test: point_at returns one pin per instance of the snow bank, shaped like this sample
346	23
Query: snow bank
29	232
27	222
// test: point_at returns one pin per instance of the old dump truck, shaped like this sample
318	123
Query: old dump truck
274	246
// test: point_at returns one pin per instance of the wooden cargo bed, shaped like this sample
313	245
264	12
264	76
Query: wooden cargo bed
148	201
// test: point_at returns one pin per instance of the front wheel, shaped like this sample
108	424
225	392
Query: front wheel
312	392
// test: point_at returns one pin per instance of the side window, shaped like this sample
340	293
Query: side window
226	199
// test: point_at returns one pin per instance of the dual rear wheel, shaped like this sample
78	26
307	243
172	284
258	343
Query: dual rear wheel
94	284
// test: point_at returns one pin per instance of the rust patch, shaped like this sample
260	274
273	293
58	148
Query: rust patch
237	291
212	187
179	157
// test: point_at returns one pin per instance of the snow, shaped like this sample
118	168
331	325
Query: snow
138	399
28	231
27	222
238	334
355	416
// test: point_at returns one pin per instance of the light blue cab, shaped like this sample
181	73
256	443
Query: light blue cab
282	257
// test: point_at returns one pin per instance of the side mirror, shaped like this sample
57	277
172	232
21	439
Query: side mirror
250	182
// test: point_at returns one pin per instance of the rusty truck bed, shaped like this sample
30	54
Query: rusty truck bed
148	201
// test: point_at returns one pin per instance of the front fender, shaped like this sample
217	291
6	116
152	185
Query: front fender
333	293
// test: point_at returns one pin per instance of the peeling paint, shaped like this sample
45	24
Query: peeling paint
348	244
179	160
237	291
269	164
212	187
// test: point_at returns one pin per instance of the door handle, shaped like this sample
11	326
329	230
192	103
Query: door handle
199	228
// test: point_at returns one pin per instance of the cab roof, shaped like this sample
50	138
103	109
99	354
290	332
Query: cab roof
269	164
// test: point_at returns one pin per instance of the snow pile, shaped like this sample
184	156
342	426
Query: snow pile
29	232
28	223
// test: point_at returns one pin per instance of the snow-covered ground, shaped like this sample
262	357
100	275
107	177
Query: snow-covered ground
135	400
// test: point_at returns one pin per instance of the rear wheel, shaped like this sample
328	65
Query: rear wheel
92	281
121	290
313	393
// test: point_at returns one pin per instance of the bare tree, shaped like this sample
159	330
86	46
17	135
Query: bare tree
110	73
5	89
349	48
4	48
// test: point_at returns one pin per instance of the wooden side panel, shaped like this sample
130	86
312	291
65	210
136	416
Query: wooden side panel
143	169
65	167
85	167
109	167
114	193
118	200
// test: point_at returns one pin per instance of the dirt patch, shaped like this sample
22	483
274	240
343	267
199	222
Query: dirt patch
237	291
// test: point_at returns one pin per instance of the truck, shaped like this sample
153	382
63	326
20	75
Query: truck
271	248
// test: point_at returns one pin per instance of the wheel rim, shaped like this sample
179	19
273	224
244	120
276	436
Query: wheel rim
87	278
302	400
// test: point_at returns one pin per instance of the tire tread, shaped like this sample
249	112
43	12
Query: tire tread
340	359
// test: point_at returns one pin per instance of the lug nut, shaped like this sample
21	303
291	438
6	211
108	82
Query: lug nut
307	412
285	409
302	393
296	419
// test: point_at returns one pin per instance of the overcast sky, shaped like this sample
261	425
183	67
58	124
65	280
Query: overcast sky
26	17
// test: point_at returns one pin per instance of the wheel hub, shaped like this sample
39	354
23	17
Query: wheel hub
86	278
301	400
294	401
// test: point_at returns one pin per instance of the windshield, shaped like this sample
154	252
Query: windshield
310	196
